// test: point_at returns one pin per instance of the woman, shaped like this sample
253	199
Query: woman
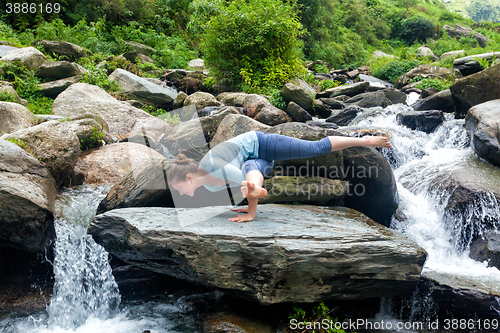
247	158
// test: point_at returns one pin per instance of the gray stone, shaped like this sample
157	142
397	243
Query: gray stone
233	99
333	104
375	82
272	116
426	121
194	136
57	144
370	99
453	54
197	64
476	89
14	117
424	71
395	96
289	254
140	48
143	90
62	48
27	195
6	48
6	87
82	98
233	125
230	323
106	165
380	54
54	88
442	100
179	100
201	100
299	92
487	248
470	65
426	52
483	125
321	110
297	113
349	90
458	31
27	56
345	116
59	70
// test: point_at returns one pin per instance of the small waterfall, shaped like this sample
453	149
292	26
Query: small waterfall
423	165
84	284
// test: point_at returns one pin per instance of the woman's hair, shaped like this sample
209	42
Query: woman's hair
182	166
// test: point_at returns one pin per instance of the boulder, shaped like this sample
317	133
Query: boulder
424	71
27	195
380	54
6	48
54	88
233	99
476	89
321	110
193	136
143	90
297	113
62	48
272	116
201	100
57	144
322	124
197	64
6	87
369	100
426	121
106	165
395	96
429	92
190	85
230	323
483	125
458	31
289	254
453	54
375	82
345	116
56	70
299	92
314	191
14	117
27	56
234	125
333	103
174	75
349	90
140	48
425	52
82	98
487	248
373	190
179	100
470	65
443	101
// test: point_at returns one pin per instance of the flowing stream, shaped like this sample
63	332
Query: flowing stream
86	297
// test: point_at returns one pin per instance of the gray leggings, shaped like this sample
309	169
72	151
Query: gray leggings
276	147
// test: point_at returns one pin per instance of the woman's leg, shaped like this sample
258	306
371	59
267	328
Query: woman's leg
280	147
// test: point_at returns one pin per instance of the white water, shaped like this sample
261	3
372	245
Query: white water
86	297
420	163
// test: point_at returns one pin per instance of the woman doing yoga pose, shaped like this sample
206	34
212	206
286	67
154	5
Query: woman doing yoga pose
247	158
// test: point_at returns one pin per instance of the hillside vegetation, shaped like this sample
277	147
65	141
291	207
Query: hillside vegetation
251	44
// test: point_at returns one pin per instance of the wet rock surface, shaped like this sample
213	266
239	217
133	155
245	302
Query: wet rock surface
266	259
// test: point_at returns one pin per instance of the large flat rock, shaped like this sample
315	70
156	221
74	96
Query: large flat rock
288	254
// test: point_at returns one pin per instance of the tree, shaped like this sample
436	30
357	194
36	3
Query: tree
255	43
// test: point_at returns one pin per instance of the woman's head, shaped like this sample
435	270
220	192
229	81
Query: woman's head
180	175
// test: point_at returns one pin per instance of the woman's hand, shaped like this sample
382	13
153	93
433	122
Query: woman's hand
242	218
240	210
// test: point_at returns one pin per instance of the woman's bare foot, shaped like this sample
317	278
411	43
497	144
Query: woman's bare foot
251	191
240	210
242	218
377	141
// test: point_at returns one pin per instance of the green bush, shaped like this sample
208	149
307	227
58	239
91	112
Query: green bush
92	140
7	97
277	100
391	69
254	43
328	84
416	28
426	83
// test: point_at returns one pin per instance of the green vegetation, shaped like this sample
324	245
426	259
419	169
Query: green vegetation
390	69
254	43
426	83
320	313
277	100
171	120
7	97
328	84
92	139
22	144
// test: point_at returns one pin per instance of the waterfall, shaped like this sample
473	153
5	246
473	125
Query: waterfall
422	163
84	284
